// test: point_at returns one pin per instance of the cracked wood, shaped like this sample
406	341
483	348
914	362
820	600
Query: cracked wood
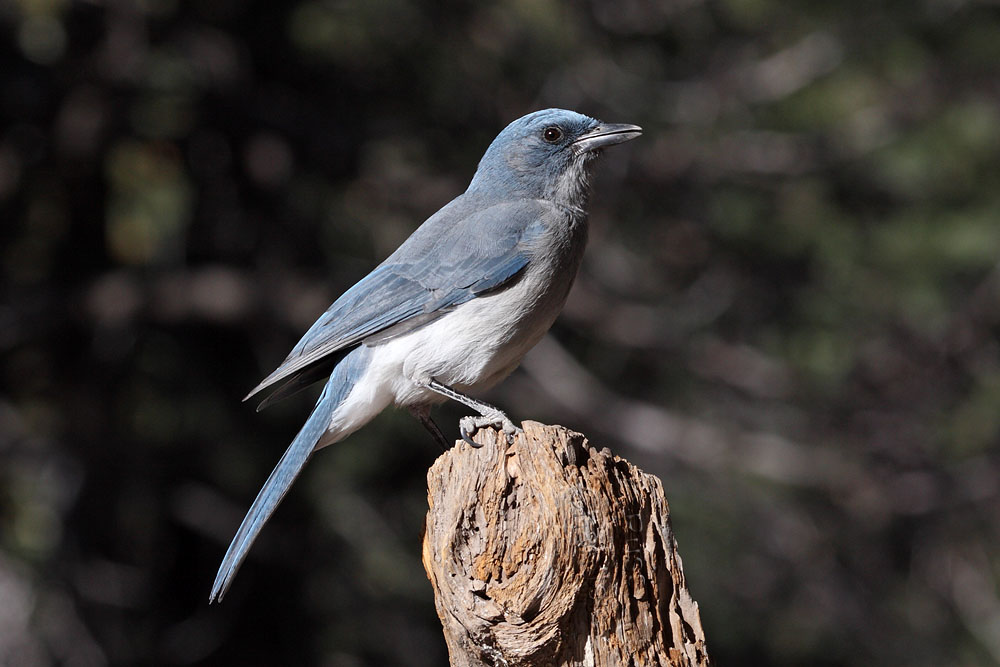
550	552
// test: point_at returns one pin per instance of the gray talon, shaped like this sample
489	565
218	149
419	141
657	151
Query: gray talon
469	425
490	416
511	429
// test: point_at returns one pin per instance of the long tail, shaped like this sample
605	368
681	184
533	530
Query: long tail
343	379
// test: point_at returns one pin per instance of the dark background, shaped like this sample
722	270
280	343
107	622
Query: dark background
788	311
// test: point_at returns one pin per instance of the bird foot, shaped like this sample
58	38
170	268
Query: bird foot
469	425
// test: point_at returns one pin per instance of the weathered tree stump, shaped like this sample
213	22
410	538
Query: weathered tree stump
549	552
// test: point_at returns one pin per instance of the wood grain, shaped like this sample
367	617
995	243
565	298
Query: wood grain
550	552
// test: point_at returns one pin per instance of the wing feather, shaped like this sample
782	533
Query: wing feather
461	252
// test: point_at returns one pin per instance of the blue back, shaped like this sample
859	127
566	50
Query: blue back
479	242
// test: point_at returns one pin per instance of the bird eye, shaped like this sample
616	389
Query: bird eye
552	134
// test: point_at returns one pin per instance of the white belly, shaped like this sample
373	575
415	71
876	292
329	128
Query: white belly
470	349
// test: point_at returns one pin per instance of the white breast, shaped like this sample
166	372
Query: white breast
471	348
476	345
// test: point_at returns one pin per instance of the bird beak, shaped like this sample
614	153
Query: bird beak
605	134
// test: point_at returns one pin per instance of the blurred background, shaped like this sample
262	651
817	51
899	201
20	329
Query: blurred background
788	311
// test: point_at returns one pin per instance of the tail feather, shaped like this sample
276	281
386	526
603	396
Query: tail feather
274	489
343	379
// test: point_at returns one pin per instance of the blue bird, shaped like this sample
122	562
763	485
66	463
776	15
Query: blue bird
453	310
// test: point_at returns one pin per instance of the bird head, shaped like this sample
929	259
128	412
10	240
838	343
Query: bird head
546	155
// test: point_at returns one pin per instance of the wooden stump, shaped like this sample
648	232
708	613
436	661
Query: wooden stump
549	552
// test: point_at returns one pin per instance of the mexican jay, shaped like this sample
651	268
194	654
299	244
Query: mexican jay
453	309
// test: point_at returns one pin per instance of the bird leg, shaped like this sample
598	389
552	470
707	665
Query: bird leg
489	415
423	415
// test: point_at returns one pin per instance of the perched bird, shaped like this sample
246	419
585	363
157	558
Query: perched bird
453	309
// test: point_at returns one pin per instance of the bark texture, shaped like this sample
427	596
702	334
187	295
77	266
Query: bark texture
549	552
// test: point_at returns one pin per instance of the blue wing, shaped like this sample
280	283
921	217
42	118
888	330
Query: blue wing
461	252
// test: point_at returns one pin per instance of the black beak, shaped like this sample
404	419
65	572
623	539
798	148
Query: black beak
606	134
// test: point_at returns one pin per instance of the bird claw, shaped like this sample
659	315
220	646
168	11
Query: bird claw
468	426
